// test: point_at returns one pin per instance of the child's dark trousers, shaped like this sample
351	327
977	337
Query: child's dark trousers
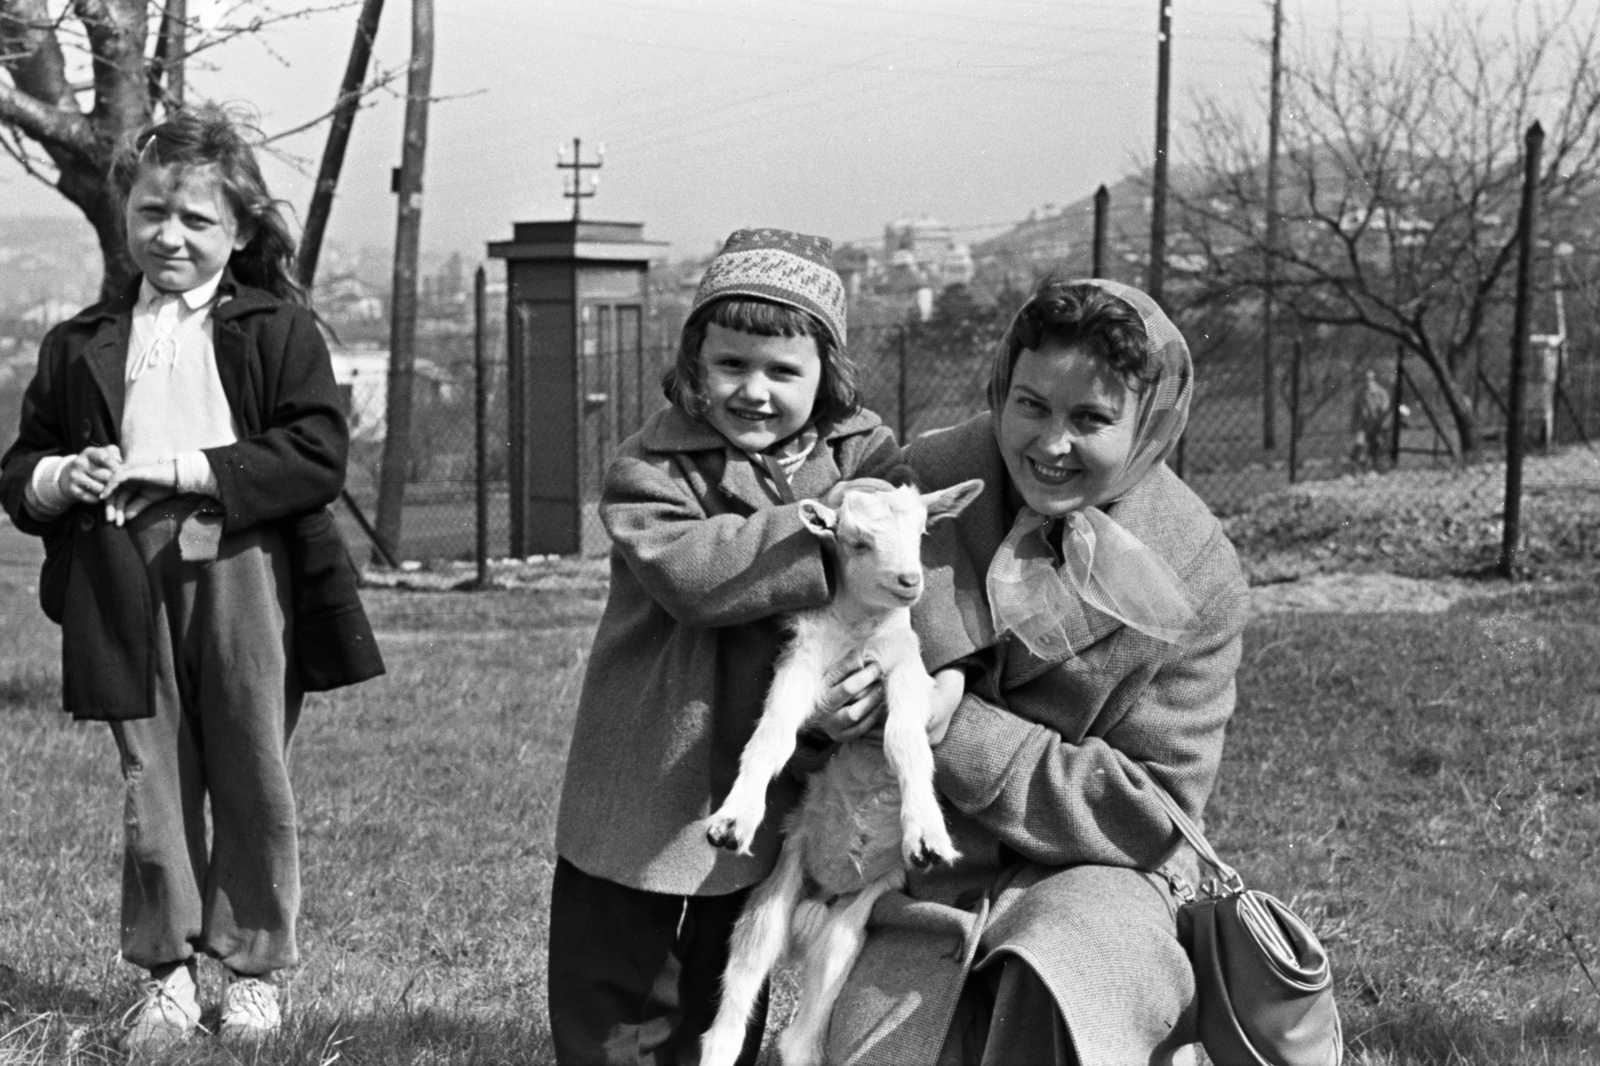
635	976
226	707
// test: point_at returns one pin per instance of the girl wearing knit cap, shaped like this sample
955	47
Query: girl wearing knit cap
1098	606
708	549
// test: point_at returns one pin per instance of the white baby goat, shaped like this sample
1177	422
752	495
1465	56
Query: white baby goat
872	811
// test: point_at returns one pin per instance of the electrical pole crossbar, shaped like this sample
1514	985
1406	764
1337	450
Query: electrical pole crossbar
577	194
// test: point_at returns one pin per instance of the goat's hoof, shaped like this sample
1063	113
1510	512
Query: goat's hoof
722	834
726	833
929	853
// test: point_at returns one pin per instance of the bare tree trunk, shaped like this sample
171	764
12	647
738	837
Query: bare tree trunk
403	304
344	117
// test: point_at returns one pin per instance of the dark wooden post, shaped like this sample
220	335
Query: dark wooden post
1102	207
900	385
480	369
403	300
344	117
1511	544
1294	413
1269	426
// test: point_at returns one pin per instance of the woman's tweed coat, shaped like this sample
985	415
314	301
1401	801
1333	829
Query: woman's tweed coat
703	560
1044	775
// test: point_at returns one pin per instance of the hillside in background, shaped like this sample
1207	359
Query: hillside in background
46	261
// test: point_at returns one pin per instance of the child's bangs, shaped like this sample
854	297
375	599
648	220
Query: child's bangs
763	318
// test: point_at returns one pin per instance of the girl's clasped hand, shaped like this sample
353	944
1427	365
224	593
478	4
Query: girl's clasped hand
99	474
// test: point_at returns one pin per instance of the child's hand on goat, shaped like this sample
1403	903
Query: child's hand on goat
852	703
949	685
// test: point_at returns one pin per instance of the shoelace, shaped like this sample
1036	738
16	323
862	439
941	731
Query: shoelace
258	1001
154	991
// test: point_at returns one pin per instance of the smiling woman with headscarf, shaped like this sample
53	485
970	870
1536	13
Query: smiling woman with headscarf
1096	606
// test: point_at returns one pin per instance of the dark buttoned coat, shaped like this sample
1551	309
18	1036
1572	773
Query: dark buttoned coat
1045	773
704	560
286	468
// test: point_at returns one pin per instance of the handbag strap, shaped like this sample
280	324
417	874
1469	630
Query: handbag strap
1196	839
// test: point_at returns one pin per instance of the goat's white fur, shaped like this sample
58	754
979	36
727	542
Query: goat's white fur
872	811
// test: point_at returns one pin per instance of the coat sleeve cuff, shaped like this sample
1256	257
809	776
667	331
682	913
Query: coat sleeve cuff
195	474
972	764
45	497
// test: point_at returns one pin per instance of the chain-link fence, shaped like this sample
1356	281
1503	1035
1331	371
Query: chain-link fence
1341	403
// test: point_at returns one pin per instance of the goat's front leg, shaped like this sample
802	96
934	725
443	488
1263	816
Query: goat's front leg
924	839
796	686
826	966
753	949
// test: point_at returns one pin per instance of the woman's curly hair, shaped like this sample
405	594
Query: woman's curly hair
1074	314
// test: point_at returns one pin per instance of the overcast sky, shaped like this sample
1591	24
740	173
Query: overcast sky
826	116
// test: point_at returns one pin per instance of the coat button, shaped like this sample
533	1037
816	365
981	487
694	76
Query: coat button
86	522
86	427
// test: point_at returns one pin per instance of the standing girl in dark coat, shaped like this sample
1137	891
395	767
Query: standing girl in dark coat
179	446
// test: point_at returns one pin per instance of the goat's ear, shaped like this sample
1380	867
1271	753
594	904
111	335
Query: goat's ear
947	503
819	518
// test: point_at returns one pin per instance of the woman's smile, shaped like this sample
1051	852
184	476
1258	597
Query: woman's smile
1066	430
1052	474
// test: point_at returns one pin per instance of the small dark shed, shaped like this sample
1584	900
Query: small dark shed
579	379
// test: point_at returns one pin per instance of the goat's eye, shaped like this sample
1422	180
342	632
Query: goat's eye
860	546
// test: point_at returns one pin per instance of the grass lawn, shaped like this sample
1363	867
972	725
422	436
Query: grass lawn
1425	788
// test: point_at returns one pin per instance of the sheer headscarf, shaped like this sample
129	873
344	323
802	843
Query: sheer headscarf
1103	565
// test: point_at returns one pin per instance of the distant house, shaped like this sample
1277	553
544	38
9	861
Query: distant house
362	375
922	253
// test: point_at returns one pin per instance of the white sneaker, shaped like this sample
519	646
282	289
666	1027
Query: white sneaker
167	1015
249	1011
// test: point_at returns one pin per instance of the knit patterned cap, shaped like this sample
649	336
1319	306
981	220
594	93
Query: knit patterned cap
788	268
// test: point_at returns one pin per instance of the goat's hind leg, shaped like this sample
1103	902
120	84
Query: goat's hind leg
796	686
924	840
829	957
753	950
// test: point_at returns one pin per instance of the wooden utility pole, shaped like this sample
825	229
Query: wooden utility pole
403	303
1158	185
1511	542
344	117
1102	206
1269	428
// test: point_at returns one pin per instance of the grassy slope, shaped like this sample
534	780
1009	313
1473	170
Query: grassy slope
1429	788
1423	787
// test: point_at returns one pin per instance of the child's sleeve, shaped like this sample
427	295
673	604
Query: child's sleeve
296	463
876	454
40	434
708	570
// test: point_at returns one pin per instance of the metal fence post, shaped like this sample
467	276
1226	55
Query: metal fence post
1294	412
480	368
900	387
1510	545
1395	405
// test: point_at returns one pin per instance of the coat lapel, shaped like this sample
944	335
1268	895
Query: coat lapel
107	358
229	343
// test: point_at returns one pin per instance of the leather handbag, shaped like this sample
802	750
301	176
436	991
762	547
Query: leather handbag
1263	987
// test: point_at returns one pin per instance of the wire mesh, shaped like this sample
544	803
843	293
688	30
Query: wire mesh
1321	422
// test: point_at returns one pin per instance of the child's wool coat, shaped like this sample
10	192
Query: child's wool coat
286	468
703	561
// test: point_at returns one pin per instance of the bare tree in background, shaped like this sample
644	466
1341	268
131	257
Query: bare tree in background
81	76
1400	179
